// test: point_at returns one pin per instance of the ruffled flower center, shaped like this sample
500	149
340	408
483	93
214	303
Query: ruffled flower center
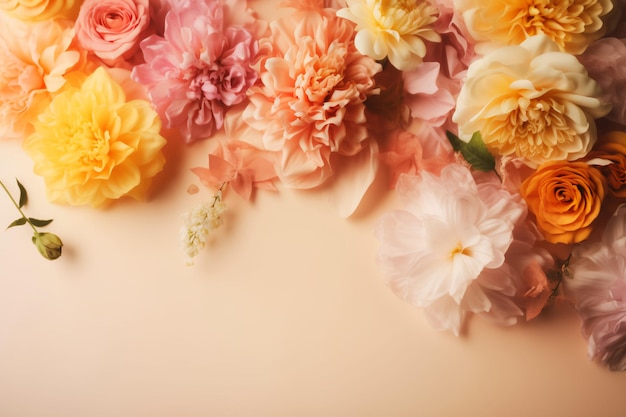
405	17
534	127
319	76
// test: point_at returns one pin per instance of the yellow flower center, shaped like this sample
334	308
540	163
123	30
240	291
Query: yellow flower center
535	127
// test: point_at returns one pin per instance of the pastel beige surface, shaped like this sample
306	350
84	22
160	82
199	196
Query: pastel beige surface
286	314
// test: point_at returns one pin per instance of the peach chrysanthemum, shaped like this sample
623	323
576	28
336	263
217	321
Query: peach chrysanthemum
308	110
91	145
573	24
395	29
36	60
532	101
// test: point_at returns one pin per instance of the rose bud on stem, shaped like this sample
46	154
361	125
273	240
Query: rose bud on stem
49	245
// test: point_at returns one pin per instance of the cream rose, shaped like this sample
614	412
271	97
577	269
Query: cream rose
532	101
112	29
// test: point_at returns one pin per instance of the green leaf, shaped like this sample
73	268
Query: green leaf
18	222
23	194
475	151
38	222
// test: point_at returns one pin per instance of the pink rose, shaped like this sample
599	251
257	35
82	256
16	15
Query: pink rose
112	29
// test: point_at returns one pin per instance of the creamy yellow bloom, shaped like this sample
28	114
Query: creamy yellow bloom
572	24
395	29
532	101
91	145
40	10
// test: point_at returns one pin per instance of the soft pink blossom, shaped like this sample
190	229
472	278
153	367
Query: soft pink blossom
420	147
309	107
112	29
445	250
605	59
199	68
239	165
432	87
596	284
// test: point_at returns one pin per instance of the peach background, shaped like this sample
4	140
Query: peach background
286	314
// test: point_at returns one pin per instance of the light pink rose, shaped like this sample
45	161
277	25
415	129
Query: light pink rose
112	29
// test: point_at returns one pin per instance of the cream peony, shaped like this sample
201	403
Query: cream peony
394	29
532	101
572	24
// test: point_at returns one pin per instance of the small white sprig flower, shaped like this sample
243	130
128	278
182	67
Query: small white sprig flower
199	222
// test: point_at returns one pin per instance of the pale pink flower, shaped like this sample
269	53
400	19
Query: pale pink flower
597	286
605	59
112	29
37	59
432	87
309	107
420	147
445	249
241	166
199	68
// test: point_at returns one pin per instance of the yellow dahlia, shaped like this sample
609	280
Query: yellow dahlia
91	145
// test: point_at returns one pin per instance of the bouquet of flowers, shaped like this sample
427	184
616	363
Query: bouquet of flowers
501	126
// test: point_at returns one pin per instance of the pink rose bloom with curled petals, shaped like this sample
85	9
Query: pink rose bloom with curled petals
112	29
198	68
596	284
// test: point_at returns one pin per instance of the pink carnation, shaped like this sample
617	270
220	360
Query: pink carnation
198	69
605	59
309	107
112	29
597	286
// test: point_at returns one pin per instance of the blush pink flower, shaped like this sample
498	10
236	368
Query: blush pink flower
241	166
597	286
420	147
432	87
112	29
445	250
198	68
37	59
309	107
605	59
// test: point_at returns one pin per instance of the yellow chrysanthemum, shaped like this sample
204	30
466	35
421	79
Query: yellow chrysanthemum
572	24
394	29
91	145
40	10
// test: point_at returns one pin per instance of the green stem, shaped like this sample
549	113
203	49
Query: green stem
17	206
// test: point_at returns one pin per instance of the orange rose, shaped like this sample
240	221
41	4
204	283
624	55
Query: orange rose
612	147
565	198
